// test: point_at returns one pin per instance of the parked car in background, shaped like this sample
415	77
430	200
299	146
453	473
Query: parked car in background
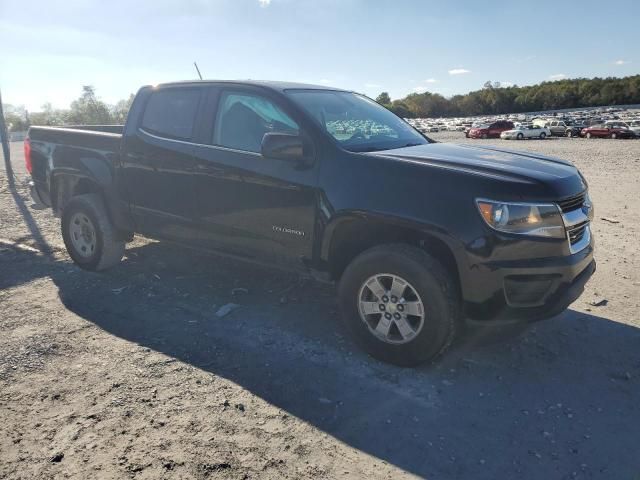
542	121
492	130
634	126
562	128
526	131
607	131
469	126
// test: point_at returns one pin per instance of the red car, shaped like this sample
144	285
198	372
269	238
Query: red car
492	130
607	131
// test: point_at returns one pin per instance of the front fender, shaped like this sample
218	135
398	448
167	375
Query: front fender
423	229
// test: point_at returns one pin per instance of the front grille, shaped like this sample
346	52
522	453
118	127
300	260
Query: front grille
576	234
572	203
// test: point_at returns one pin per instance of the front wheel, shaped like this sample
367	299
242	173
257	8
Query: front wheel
543	136
88	234
520	136
569	133
588	134
401	304
485	136
614	136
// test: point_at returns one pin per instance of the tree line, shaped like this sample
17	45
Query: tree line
87	109
494	99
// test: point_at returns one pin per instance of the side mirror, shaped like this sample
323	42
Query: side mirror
283	146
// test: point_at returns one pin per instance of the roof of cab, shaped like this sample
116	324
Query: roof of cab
273	85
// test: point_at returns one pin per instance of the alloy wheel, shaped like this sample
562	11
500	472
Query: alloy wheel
391	308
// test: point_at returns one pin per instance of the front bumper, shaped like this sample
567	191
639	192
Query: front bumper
527	290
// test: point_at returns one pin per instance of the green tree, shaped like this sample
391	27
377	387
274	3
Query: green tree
48	116
121	109
400	108
89	109
383	99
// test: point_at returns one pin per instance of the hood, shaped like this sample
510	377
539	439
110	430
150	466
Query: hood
497	163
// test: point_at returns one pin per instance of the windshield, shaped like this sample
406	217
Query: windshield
356	122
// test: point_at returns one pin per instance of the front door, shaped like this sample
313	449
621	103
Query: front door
250	205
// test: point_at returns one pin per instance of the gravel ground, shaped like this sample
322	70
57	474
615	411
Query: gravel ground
130	373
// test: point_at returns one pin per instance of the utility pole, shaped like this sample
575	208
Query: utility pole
4	136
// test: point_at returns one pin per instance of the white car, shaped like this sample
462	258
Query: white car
635	126
526	131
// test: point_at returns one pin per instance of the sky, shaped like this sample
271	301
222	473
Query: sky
50	49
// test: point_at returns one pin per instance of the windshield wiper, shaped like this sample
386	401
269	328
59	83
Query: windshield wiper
379	149
369	149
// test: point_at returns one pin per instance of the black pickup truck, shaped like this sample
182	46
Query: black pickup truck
421	237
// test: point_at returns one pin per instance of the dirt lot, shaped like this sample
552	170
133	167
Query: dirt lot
130	373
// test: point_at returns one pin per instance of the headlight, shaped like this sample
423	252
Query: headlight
537	220
588	206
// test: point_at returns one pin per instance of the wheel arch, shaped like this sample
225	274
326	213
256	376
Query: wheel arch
351	234
65	186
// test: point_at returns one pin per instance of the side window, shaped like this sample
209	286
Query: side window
244	118
171	112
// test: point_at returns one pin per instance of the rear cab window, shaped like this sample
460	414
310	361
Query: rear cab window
171	112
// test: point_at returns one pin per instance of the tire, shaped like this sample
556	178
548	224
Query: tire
97	247
436	291
520	136
614	136
569	133
543	136
485	136
588	135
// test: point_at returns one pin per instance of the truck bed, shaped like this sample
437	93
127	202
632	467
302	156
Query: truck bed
103	137
82	151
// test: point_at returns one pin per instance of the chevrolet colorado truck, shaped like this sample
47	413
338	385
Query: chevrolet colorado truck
421	237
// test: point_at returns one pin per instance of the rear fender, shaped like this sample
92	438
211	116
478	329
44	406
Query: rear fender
88	174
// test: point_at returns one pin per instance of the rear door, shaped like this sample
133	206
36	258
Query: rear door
250	205
159	164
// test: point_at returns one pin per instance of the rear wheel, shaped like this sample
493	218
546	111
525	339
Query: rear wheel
588	135
485	136
88	234
569	133
614	136
400	304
